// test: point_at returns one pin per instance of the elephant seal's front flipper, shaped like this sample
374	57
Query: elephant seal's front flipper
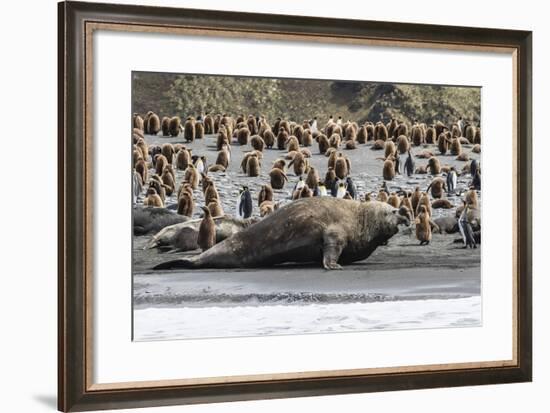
333	244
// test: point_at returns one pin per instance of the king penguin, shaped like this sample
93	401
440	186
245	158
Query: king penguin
244	203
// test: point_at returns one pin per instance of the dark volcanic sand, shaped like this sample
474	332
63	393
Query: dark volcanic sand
400	270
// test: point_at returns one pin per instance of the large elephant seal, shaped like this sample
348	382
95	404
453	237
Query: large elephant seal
319	229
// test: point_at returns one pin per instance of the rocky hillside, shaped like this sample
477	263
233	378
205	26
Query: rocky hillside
184	95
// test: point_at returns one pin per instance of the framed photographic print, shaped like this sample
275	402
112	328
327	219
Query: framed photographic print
263	206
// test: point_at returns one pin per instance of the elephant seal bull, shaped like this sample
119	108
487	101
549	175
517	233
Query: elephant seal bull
319	229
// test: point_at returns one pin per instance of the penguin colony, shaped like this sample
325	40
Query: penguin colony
409	151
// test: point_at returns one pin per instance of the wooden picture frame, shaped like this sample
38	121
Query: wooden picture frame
77	21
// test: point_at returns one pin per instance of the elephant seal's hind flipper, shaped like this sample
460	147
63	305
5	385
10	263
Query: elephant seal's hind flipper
168	265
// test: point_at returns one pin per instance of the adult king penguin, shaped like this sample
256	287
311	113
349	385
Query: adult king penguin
244	203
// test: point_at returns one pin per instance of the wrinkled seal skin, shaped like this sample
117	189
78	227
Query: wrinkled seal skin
320	229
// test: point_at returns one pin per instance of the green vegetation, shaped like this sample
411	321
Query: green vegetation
184	95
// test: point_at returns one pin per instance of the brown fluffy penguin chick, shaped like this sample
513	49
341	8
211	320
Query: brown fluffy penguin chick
434	166
153	124
477	136
160	163
278	178
153	199
282	137
424	201
210	193
382	196
389	148
442	143
199	130
266	194
207	231
167	149
323	143
257	143
174	126
222	139
266	208
415	197
423	228
350	144
469	133
183	159
138	122
192	176
299	163
306	152
430	136
141	169
165	126
253	166
292	144
378	145
424	155
441	204
189	130
156	182
215	208
394	200
186	204
216	168
307	138
362	135
438	187
334	141
471	198
223	158
403	144
312	178
455	147
269	139
280	164
242	136
388	170
341	167
168	180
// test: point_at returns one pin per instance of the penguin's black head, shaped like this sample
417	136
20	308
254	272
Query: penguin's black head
403	216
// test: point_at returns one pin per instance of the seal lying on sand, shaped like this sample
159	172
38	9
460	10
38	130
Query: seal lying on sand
318	229
147	220
183	236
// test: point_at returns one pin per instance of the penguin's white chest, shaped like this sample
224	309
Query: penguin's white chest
200	166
